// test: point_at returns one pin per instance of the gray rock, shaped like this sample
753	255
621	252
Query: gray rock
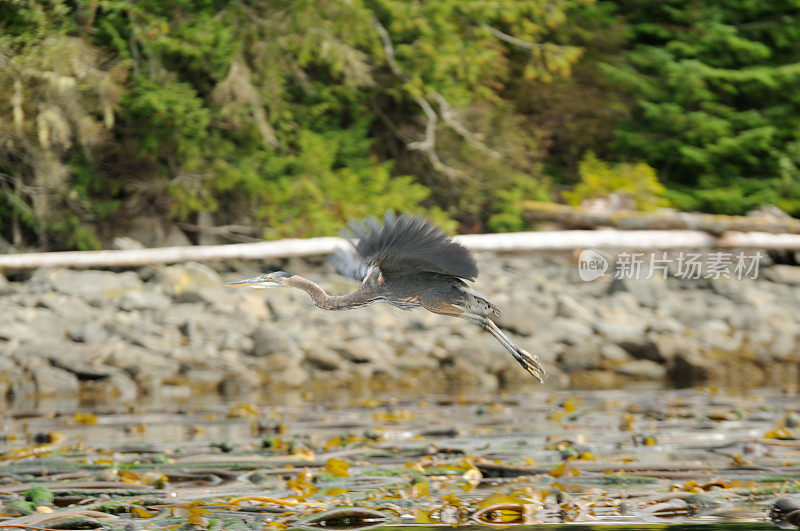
460	374
670	346
125	243
145	229
613	353
206	378
144	300
175	237
522	319
783	274
567	331
5	286
93	286
619	331
179	278
34	323
784	346
47	380
647	292
580	357
18	331
148	369
67	307
665	324
645	369
365	350
324	359
570	308
720	341
237	341
101	380
293	376
91	332
417	359
272	339
15	382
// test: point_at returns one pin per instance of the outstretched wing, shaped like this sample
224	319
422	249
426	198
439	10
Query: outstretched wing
349	264
408	244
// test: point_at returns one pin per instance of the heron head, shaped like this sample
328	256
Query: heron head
268	280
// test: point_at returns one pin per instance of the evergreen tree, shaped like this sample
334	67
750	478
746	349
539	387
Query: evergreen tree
717	107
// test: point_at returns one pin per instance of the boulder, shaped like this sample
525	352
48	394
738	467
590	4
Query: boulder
644	369
670	346
613	353
125	243
570	308
783	274
271	339
522	319
566	331
459	375
180	278
6	287
96	287
621	330
47	379
323	358
646	292
366	350
144	300
580	357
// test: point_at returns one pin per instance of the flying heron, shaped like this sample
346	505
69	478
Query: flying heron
407	262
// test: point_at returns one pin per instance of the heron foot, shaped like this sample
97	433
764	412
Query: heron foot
530	362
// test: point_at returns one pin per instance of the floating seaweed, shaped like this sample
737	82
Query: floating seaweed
622	458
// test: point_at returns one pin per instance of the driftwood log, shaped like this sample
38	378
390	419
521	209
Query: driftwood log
509	242
576	218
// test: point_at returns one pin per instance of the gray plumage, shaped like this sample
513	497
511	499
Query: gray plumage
408	243
407	262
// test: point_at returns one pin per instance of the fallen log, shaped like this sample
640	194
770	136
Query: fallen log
759	240
576	218
508	242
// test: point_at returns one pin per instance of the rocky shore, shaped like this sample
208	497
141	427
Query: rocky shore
175	330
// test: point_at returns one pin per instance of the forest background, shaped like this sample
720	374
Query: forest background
288	117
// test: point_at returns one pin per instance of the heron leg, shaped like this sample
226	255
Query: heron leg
529	361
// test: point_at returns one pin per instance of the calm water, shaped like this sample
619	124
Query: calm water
619	459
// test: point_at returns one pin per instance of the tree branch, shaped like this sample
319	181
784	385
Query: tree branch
513	40
428	145
234	233
448	115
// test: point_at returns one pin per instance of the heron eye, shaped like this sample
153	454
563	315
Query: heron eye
270	278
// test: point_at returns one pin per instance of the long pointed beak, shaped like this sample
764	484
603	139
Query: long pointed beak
254	281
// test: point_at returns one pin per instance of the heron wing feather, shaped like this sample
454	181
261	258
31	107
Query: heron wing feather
350	265
410	243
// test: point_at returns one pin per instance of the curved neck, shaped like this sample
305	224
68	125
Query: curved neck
360	297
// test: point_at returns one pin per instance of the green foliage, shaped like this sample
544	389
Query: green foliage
326	181
509	208
716	106
57	100
291	116
599	178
